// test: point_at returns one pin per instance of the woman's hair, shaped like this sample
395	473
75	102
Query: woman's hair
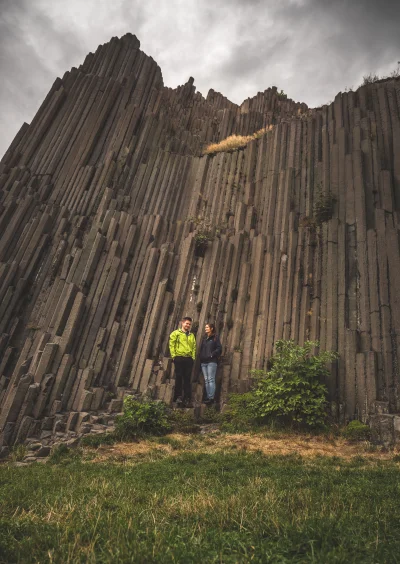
211	326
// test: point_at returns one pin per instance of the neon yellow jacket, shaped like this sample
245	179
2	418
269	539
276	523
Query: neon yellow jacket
181	344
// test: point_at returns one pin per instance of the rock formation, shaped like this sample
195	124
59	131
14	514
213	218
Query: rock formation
113	225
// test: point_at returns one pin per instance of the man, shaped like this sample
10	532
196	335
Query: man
182	346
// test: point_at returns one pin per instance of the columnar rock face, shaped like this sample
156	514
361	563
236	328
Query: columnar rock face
113	225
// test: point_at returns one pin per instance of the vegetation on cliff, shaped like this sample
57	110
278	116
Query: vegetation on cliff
235	142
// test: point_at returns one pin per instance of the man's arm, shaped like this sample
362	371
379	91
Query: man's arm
172	344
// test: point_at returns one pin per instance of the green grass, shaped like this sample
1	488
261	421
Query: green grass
230	506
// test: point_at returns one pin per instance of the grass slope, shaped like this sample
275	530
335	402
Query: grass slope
193	505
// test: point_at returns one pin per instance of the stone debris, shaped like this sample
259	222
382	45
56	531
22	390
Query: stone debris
113	225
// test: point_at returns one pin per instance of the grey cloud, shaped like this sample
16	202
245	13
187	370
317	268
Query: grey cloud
310	48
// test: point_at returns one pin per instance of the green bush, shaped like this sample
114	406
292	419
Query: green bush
142	416
292	390
357	431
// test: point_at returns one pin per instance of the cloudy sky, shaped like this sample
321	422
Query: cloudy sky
310	48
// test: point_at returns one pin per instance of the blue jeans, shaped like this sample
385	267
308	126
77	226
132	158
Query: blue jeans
209	371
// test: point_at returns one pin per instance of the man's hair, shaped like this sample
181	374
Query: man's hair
187	319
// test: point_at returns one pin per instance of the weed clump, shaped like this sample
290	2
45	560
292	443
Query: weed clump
372	77
182	421
357	431
95	441
62	454
18	453
281	95
239	415
323	206
142	416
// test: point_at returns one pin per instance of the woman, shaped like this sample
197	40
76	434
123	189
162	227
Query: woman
210	350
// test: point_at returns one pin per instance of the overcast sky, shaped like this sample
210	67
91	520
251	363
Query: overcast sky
311	49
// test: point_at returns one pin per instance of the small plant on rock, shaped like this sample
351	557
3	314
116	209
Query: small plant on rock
370	79
201	239
323	206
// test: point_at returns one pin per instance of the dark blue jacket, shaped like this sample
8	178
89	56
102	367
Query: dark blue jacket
210	349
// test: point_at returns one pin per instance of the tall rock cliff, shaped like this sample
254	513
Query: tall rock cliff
113	225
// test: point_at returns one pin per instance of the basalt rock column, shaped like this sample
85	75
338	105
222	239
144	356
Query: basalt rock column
103	200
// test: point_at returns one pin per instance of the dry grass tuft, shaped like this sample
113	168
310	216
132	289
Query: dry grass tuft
235	142
307	446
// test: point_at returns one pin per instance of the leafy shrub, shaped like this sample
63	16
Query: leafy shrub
142	416
293	390
357	431
201	241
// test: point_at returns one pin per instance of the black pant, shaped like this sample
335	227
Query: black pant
183	377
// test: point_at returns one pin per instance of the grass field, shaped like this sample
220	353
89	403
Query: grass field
204	499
